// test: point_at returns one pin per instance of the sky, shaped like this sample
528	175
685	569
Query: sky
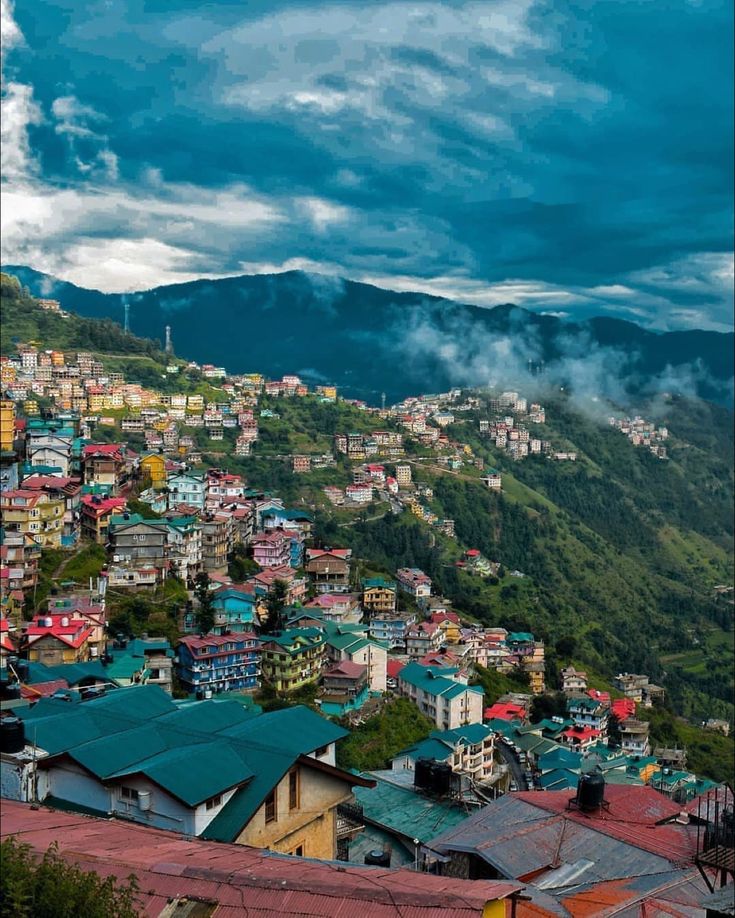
574	158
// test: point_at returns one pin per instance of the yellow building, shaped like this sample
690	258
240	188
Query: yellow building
34	514
154	467
379	596
7	425
96	401
30	407
299	816
57	358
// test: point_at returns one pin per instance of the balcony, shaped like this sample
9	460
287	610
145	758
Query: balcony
350	820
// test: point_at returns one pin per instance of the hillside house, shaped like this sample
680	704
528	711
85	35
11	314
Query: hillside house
109	464
137	543
414	582
293	658
271	549
390	628
378	596
329	569
186	488
357	648
344	689
56	638
95	515
423	638
441	695
588	712
275	785
219	662
573	681
468	750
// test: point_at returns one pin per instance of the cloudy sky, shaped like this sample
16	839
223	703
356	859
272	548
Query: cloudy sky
572	157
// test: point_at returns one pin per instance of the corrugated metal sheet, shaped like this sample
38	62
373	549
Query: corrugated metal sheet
244	881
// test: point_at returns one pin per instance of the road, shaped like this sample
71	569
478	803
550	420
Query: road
513	762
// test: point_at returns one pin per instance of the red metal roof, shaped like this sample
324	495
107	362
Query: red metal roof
243	880
635	816
503	711
394	667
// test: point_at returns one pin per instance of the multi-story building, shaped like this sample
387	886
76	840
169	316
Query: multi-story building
573	681
88	609
95	515
390	628
403	475
468	750
423	638
153	466
344	688
107	464
187	488
54	638
301	464
378	596
442	694
7	425
68	490
271	549
142	661
358	648
137	543
33	513
184	537
219	662
292	659
589	712
414	582
215	541
634	737
329	569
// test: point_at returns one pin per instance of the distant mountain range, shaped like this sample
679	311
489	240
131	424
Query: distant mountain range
369	341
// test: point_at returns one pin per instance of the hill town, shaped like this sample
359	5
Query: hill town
269	618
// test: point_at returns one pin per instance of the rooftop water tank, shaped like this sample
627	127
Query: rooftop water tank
12	734
590	791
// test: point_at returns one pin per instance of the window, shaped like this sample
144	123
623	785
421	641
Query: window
213	802
128	793
298	851
271	813
293	789
322	750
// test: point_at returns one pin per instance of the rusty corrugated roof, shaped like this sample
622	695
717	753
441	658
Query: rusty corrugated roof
241	880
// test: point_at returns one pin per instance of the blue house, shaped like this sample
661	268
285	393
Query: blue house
219	663
234	610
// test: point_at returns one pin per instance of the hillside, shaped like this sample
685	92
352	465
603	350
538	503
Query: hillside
620	551
368	340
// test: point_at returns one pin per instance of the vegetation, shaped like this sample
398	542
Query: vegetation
20	312
374	743
54	888
205	606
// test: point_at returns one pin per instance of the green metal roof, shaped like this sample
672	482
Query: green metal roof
296	640
405	812
433	680
73	673
519	637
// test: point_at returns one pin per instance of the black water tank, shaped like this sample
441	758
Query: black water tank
13	734
9	691
378	858
22	670
590	791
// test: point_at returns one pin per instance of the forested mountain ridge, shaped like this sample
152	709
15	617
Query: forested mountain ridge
620	551
368	340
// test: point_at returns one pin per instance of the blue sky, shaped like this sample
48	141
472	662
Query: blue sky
572	157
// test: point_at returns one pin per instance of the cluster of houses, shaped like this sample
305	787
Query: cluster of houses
643	433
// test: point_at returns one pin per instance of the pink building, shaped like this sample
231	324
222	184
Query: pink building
271	549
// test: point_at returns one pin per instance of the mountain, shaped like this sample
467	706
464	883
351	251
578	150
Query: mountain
368	340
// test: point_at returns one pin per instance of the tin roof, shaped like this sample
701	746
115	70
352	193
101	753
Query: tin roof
532	831
238	880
